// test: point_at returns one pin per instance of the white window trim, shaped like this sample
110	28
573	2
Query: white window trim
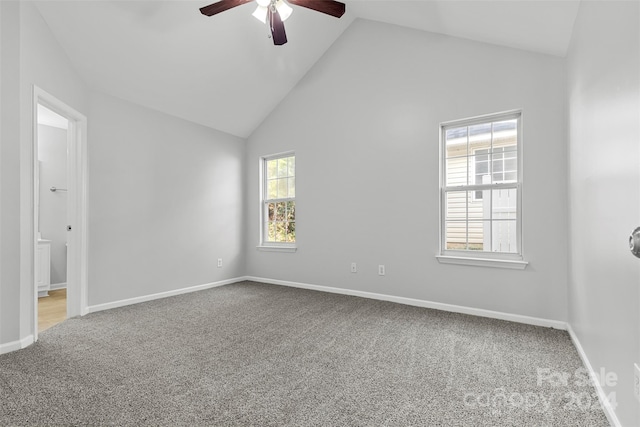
269	248
479	258
272	246
483	262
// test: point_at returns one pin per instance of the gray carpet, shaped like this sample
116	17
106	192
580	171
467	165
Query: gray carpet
264	355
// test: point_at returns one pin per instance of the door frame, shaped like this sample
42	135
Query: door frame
77	248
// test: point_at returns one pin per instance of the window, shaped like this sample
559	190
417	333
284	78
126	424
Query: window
279	201
481	188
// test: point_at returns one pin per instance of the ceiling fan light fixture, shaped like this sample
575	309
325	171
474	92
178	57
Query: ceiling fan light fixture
274	12
260	14
284	10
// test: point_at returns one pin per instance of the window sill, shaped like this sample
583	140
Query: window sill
289	249
483	262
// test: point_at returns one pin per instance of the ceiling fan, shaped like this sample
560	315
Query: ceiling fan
275	12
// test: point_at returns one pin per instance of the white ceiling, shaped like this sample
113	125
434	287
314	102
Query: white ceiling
223	71
542	26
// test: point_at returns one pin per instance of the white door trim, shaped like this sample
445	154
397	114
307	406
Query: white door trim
77	277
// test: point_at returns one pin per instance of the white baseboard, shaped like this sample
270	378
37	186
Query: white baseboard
595	378
145	298
57	286
609	411
556	324
16	345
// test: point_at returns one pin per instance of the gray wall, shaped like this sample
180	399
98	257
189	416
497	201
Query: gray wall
364	124
52	158
165	201
604	183
10	172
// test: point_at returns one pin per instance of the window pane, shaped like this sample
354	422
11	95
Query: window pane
456	133
505	136
292	166
505	128
280	232
504	236
479	166
482	158
504	203
497	163
280	211
479	137
456	205
481	178
271	209
481	154
480	207
272	169
291	232
292	187
476	235
482	130
272	189
282	188
456	235
271	231
457	171
456	142
291	211
282	168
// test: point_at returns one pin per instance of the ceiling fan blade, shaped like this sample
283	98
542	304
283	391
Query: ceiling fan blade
330	7
221	6
277	28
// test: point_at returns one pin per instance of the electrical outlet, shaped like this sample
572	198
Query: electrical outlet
354	267
219	262
636	381
381	270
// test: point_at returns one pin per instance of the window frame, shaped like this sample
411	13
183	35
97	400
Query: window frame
263	243
475	257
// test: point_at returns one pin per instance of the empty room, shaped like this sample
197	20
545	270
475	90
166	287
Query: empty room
320	213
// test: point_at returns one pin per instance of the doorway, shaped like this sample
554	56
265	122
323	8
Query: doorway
59	211
52	205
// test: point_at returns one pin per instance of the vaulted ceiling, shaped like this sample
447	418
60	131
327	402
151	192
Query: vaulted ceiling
225	73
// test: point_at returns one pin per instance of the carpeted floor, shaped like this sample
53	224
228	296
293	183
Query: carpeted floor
264	355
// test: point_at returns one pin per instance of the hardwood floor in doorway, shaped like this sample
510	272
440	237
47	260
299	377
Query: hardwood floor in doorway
52	309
